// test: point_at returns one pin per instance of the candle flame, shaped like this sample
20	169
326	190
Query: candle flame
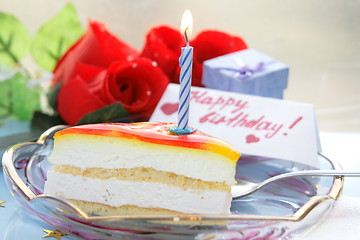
186	23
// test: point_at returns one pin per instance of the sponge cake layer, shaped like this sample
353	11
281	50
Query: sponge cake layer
93	151
118	193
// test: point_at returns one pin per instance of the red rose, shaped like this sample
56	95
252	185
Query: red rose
212	44
137	84
96	47
163	45
100	70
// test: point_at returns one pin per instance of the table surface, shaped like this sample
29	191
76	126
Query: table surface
16	224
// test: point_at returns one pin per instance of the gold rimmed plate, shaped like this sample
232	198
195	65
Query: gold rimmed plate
282	209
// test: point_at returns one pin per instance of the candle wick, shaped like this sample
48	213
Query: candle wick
186	37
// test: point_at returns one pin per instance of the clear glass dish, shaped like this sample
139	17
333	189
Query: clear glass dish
281	210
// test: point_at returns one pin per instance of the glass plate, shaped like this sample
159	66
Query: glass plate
281	210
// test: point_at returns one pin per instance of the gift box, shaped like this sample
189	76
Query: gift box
248	72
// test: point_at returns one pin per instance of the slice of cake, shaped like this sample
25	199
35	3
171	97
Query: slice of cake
141	168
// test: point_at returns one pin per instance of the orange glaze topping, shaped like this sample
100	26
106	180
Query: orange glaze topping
158	133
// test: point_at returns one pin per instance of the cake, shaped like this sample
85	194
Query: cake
142	169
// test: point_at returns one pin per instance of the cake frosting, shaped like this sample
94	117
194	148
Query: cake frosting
141	168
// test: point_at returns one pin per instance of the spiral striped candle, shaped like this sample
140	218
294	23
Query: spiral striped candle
186	62
185	86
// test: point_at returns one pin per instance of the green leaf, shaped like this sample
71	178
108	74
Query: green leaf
41	121
17	100
15	39
52	95
111	113
25	100
54	38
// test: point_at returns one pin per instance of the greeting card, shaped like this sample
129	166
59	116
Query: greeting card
254	125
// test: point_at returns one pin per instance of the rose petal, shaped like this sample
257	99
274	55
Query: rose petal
163	45
96	47
137	85
87	72
74	101
211	44
92	75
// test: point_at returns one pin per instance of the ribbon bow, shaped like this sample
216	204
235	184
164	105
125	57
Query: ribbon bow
244	71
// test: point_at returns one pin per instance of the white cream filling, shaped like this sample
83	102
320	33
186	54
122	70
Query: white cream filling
110	152
143	194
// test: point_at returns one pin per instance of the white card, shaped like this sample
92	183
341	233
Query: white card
254	125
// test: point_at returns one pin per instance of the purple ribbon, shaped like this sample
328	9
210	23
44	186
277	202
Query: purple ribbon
245	72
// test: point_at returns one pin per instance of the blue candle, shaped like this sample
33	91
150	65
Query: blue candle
186	61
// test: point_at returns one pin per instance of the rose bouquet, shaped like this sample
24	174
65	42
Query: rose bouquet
100	78
163	45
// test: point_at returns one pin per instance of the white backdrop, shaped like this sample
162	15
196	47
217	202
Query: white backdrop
319	40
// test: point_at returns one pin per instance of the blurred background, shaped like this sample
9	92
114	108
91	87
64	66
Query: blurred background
318	40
